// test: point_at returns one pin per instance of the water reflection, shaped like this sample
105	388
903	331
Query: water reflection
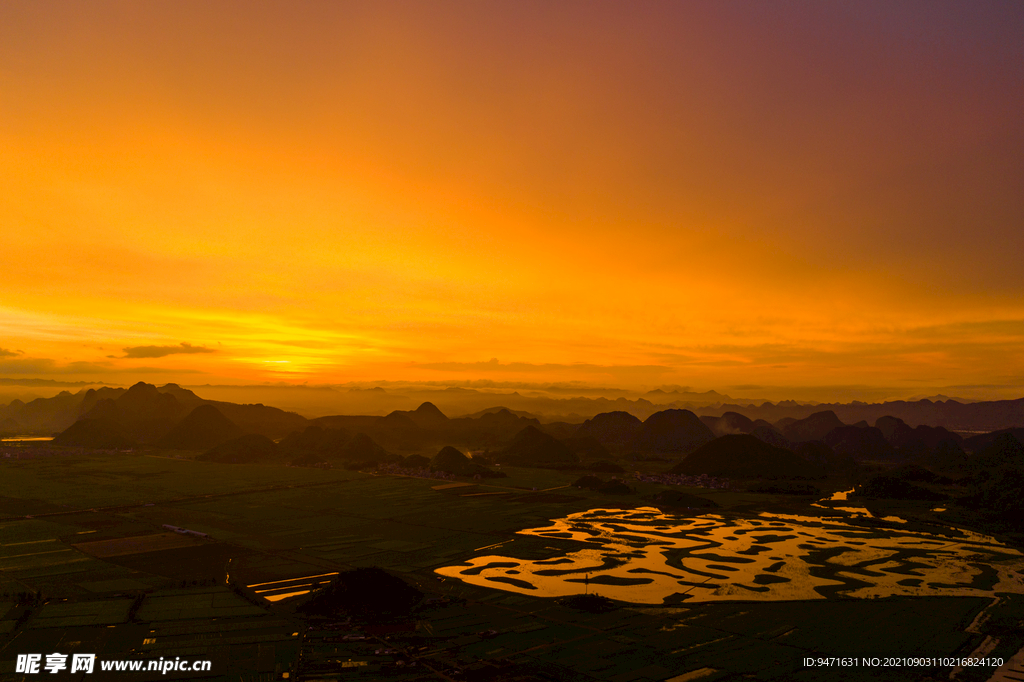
645	556
841	496
276	590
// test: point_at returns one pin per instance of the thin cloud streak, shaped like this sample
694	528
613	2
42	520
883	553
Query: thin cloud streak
164	351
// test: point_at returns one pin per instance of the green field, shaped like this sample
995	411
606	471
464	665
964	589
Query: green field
268	523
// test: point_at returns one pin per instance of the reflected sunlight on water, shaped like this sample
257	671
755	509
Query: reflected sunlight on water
644	556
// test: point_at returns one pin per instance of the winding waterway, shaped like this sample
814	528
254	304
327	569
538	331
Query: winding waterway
646	556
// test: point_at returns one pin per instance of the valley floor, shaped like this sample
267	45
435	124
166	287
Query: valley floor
93	560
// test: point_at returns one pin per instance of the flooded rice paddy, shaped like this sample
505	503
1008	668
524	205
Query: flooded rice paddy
277	590
645	556
841	496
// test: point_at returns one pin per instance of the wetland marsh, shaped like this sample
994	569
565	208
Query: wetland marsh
646	556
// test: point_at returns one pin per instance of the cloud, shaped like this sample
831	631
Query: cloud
6	381
4	353
48	366
158	370
28	366
495	366
163	351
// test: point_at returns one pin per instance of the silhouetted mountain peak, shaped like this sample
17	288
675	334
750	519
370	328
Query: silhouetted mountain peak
451	460
611	427
888	425
142	389
814	427
531	445
204	427
183	395
429	408
859	442
427	415
398	418
729	422
105	434
362	446
764	431
672	431
744	456
145	400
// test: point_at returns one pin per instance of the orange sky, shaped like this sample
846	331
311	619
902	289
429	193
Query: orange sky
718	195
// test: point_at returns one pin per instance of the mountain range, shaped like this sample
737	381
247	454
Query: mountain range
52	415
732	444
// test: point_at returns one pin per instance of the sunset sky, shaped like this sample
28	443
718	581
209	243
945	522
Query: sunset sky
752	197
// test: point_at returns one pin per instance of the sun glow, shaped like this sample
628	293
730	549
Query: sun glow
409	203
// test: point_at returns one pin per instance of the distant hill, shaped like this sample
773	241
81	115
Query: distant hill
369	593
588	482
203	428
144	413
147	414
769	434
315	439
859	443
587	448
730	422
814	427
744	456
427	428
142	403
611	428
450	460
501	408
533	446
100	433
672	431
184	396
492	427
979	442
912	443
824	457
364	449
426	416
316	444
51	415
951	414
269	421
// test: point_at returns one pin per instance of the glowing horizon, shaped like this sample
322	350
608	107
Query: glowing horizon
715	197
